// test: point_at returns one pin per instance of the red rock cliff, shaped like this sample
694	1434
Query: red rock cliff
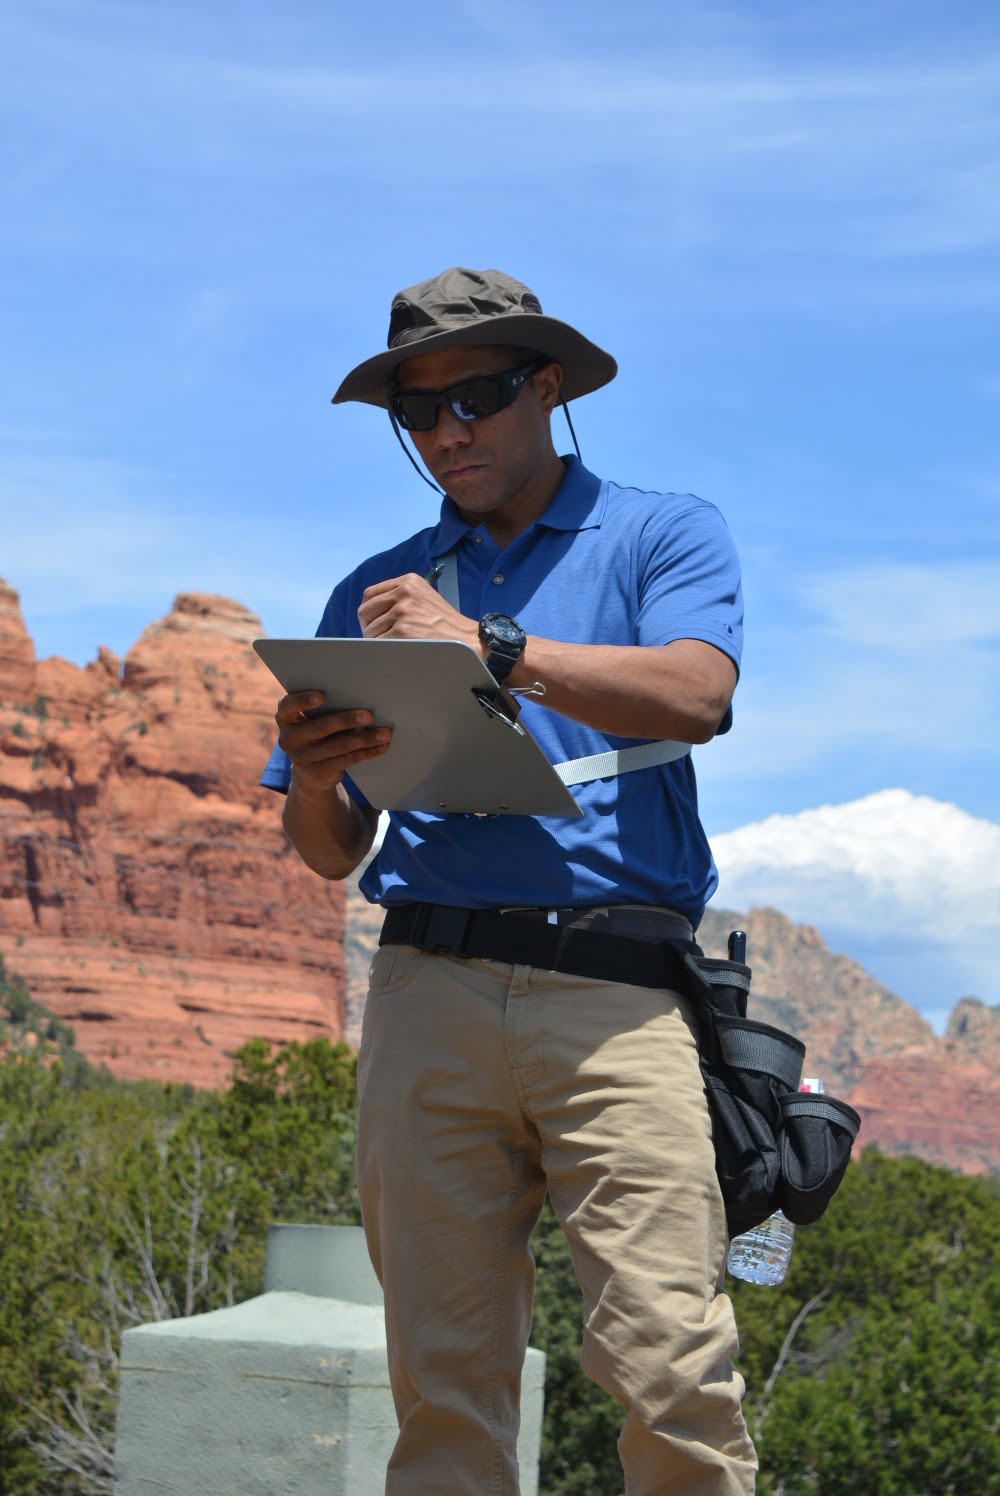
147	894
17	653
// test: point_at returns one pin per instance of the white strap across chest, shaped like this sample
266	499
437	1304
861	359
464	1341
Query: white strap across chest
596	765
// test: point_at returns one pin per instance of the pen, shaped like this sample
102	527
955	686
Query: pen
432	575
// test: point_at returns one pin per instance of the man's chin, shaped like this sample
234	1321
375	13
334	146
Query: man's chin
475	496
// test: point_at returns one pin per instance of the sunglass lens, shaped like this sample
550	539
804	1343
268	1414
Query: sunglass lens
469	401
477	398
415	412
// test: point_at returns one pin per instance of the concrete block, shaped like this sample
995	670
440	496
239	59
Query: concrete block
286	1393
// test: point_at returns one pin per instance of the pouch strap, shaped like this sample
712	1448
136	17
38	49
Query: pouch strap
724	973
447	582
747	1045
606	765
825	1108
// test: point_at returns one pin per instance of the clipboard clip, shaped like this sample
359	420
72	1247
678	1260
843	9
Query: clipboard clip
500	706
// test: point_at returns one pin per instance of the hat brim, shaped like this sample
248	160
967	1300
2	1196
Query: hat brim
585	366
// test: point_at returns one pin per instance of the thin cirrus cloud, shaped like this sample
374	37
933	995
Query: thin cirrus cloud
904	147
909	608
87	537
903	654
774	216
858	678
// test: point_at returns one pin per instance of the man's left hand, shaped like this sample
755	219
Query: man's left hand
407	607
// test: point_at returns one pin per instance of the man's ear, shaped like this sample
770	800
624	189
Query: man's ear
548	382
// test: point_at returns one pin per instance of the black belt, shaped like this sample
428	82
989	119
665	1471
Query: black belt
525	941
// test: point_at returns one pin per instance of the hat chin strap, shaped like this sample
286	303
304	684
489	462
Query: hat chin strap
569	423
430	484
412	459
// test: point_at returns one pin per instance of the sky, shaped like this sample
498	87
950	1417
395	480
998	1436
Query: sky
783	220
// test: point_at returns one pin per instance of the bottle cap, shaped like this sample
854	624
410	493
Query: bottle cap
814	1084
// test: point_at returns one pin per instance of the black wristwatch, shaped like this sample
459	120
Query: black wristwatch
505	639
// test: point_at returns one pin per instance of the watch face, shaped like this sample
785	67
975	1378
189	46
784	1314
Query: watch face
506	640
505	631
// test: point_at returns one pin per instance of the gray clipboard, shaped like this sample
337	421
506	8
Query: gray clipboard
451	750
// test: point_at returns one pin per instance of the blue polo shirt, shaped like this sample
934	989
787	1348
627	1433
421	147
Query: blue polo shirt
603	565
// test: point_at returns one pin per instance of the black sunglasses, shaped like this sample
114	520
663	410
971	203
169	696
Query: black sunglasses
469	400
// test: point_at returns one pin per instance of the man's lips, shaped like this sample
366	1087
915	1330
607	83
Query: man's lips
461	469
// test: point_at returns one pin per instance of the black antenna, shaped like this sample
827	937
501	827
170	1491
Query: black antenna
413	460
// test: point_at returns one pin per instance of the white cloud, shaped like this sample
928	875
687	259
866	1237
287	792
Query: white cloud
906	884
931	863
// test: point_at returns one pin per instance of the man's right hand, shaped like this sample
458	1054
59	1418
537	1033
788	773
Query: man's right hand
331	832
323	748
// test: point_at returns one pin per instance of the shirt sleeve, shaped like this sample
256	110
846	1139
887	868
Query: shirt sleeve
689	582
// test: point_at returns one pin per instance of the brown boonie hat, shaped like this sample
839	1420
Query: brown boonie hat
476	308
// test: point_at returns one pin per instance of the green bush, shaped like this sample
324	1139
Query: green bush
126	1202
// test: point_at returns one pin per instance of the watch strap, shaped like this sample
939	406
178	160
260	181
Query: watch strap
500	662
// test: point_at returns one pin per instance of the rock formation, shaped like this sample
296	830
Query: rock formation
17	653
147	894
148	897
916	1092
974	1031
843	1015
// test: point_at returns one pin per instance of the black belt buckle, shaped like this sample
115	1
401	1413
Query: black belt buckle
446	929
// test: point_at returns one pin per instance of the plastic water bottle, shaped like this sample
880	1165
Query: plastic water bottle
763	1254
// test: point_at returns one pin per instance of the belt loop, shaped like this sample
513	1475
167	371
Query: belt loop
421	919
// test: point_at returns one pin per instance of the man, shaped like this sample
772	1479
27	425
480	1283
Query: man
486	1079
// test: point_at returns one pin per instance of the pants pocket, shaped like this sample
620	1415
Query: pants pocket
393	967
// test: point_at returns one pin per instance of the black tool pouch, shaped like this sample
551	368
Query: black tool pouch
775	1148
817	1134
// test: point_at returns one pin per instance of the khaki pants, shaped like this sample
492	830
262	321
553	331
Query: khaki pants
481	1085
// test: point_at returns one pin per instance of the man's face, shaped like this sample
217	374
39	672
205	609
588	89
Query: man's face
484	464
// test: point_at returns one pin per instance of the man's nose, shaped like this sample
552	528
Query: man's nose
450	431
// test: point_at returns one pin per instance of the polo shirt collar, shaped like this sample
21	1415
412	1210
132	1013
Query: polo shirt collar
578	504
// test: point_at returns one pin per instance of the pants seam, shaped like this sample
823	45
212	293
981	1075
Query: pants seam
497	1481
536	1066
